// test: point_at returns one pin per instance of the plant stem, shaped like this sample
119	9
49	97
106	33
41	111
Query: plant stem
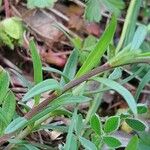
127	23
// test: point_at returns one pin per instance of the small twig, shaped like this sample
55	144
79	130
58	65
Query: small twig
7	9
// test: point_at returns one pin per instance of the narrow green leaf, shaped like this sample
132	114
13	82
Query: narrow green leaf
111	141
112	124
16	124
60	101
133	143
96	124
46	85
96	54
50	69
70	131
139	37
9	106
136	124
37	66
31	147
70	67
121	90
88	145
79	124
63	129
142	84
4	83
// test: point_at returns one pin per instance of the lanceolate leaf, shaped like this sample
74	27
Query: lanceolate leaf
60	101
143	82
133	143
139	37
16	124
87	144
70	132
37	66
121	90
46	85
70	67
96	54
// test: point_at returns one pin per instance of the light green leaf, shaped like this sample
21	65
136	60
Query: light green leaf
13	27
111	141
16	124
92	10
46	85
4	83
70	67
96	124
133	143
9	106
139	37
112	124
31	147
96	54
121	90
40	3
37	66
136	124
142	84
88	145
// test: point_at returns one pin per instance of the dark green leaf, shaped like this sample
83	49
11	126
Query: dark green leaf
96	124
121	90
133	143
111	141
88	145
136	124
46	85
96	54
142	108
112	124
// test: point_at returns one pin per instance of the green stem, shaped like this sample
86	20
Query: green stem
127	23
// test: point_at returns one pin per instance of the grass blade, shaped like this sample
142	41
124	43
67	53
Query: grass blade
96	54
121	90
37	66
